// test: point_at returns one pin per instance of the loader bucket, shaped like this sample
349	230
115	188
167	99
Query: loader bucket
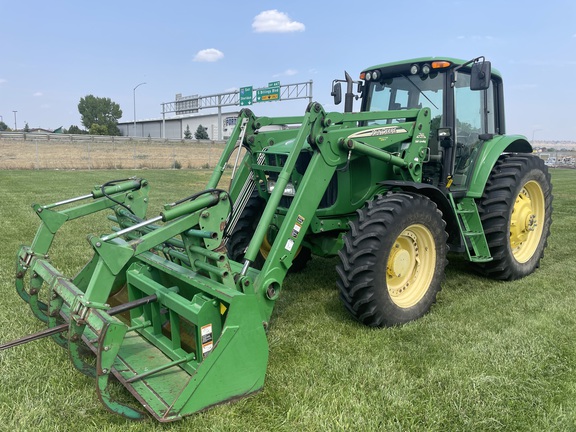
157	304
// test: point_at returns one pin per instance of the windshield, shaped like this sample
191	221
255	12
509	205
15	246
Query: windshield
406	92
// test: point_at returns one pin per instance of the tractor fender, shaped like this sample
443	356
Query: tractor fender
434	194
489	154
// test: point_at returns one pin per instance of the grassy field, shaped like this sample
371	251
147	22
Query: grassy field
490	356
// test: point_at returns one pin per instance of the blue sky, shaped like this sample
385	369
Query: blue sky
56	52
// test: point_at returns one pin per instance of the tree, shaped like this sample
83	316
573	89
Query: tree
97	129
201	133
101	112
26	127
187	133
73	129
3	126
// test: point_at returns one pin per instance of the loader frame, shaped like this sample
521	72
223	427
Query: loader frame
189	331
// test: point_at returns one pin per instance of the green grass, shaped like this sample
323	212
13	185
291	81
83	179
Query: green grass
490	356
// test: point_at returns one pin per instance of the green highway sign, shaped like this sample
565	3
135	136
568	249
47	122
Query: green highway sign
246	96
274	84
268	94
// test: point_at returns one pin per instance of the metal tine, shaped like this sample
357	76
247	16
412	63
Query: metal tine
34	336
63	327
143	375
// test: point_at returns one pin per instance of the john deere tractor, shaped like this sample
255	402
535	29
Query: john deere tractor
176	306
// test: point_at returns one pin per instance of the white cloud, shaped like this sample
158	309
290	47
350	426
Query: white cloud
273	21
208	55
38	94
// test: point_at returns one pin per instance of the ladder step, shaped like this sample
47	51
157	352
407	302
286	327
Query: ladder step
481	259
471	228
471	233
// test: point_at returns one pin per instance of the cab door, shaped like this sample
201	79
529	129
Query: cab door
474	114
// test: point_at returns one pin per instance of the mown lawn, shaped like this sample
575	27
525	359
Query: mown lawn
491	356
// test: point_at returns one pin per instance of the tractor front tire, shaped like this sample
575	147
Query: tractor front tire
244	231
393	260
516	213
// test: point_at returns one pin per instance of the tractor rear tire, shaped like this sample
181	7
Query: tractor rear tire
393	260
244	231
516	213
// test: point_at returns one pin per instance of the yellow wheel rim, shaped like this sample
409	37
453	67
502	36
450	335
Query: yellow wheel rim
527	222
411	266
265	248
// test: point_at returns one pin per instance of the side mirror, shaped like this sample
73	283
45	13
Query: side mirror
480	75
337	93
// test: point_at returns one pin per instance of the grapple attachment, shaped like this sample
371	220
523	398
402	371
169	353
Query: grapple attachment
158	304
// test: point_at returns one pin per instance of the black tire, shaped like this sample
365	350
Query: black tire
244	231
516	213
385	278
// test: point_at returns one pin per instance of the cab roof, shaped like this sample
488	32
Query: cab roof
398	66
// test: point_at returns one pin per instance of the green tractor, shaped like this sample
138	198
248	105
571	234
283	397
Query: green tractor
176	306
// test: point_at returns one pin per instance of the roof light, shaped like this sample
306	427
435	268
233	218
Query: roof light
441	64
368	76
426	69
414	69
363	75
376	75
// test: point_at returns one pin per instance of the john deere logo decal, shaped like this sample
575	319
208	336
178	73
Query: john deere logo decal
388	130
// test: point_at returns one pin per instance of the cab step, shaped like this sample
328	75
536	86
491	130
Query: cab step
471	229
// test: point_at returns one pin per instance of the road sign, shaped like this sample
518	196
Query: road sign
246	96
274	84
268	94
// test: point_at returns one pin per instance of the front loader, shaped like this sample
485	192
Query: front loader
176	306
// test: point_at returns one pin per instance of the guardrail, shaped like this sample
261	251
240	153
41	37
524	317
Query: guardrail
32	136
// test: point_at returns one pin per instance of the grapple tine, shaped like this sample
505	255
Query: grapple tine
35	336
109	343
63	327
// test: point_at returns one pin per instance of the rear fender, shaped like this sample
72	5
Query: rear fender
489	154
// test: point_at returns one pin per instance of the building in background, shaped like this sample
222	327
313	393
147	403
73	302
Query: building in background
175	126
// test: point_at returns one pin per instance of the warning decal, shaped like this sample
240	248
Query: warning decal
295	232
297	226
207	339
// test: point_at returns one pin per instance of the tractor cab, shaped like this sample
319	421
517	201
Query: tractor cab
465	99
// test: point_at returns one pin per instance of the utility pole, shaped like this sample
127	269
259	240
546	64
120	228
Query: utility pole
15	125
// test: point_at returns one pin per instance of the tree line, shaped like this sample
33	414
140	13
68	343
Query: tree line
100	115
